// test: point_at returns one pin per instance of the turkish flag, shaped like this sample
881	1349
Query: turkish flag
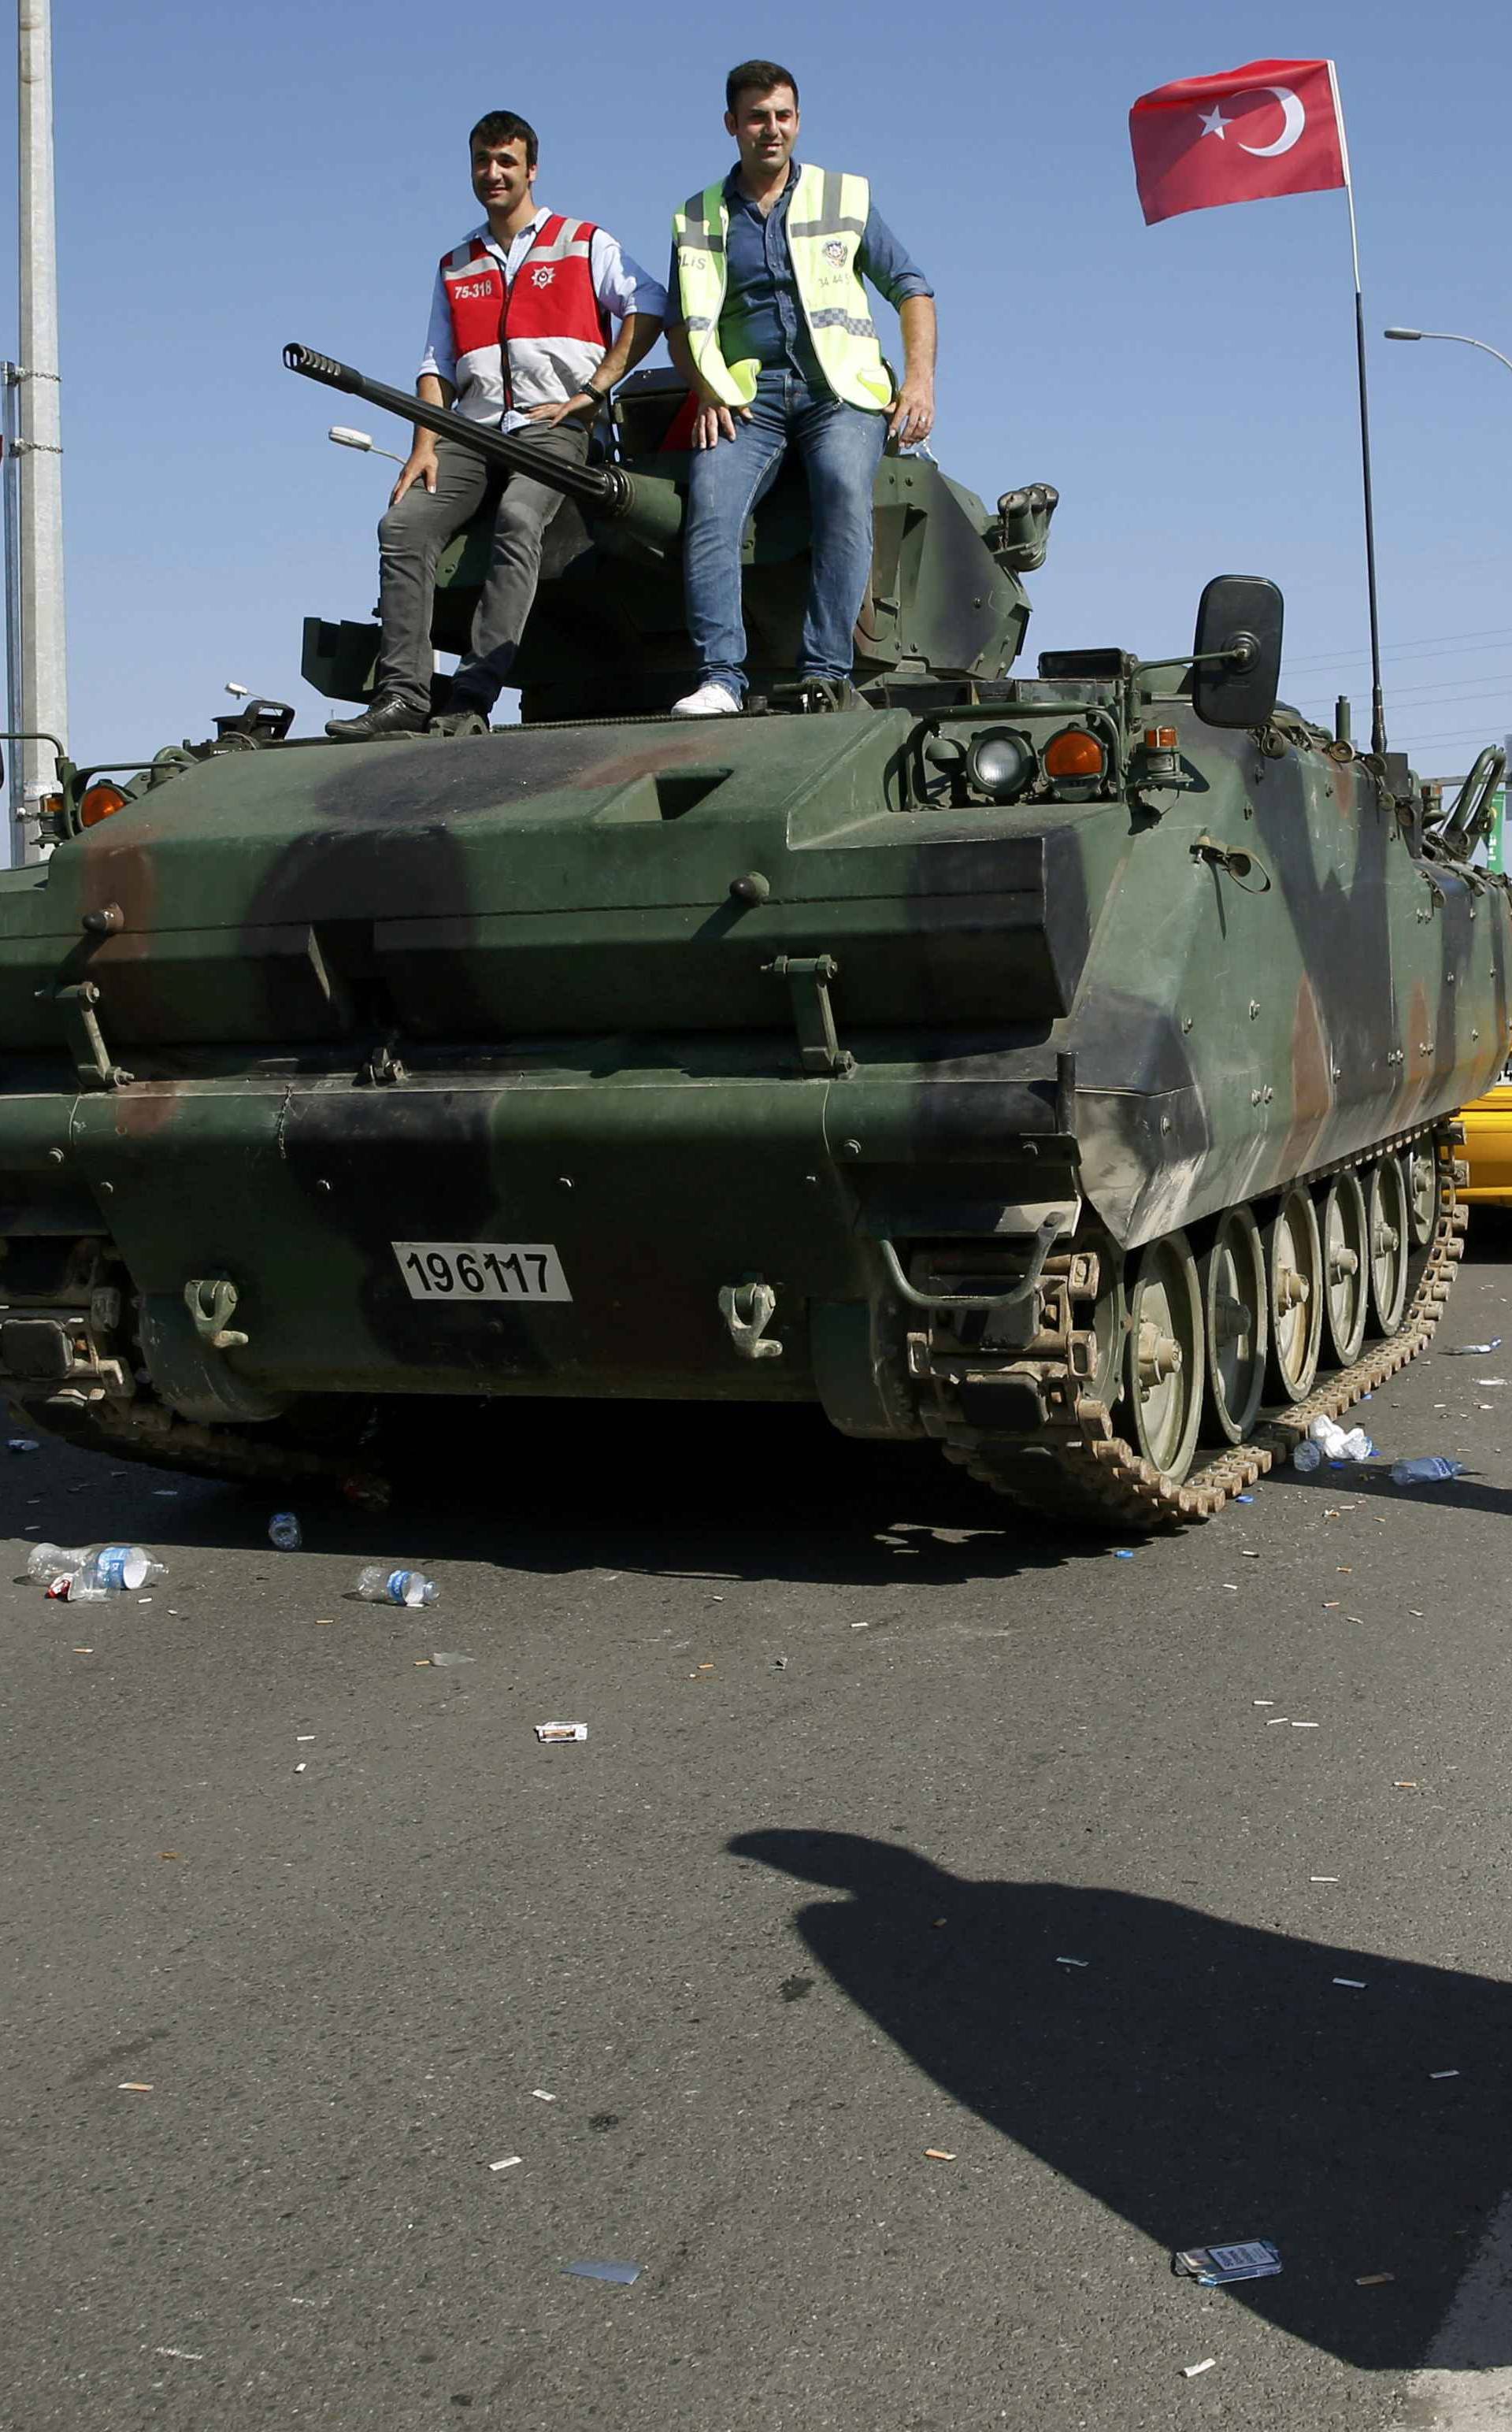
1273	127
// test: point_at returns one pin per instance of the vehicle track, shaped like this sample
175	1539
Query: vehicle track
1099	1476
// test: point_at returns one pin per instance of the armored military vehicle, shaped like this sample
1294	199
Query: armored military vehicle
1061	1066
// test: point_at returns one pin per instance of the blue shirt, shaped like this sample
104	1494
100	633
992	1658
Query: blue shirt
762	318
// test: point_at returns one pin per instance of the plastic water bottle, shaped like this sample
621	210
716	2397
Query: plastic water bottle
115	1570
45	1563
1429	1471
1307	1455
285	1532
377	1584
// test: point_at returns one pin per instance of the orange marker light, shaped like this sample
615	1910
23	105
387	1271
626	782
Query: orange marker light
100	803
1159	738
1074	753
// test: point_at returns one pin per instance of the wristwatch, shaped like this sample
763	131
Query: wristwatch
599	395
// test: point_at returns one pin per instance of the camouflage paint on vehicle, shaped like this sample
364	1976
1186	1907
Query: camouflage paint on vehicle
826	1075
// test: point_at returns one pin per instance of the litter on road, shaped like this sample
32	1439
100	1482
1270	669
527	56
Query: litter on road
1190	2371
1373	2279
377	1584
132	2086
439	1659
1436	2074
551	1731
620	2274
1464	1350
22	1444
541	2095
937	2154
285	1532
509	2162
1354	1984
1074	1963
1214	2267
1323	1878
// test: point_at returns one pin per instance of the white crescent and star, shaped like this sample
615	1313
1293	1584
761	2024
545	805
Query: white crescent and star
1295	116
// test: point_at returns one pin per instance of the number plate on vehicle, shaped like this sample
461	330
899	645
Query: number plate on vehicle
482	1271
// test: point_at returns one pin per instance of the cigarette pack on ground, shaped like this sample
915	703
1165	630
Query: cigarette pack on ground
1215	2266
561	1730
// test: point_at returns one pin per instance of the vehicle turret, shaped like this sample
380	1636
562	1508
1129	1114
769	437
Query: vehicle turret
607	638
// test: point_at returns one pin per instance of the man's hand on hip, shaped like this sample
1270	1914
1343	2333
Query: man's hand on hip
581	408
420	466
913	413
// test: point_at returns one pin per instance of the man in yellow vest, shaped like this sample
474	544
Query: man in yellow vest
773	327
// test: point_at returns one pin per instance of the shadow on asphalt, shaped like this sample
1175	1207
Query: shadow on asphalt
1207	2081
674	1492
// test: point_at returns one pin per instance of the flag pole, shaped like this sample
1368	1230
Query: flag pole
1378	726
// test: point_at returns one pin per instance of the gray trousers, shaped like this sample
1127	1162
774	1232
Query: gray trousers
412	537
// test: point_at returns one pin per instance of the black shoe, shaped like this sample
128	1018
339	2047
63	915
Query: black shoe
460	721
389	716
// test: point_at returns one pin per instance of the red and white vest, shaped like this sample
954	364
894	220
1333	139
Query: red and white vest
537	340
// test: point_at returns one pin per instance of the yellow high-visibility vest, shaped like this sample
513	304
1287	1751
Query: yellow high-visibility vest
826	221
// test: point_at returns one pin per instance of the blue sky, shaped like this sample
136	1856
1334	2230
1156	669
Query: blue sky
229	177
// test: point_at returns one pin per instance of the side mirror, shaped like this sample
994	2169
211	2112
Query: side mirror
1238	651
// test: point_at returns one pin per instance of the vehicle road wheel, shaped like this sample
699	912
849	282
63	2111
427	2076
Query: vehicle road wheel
1232	1276
1422	1197
1389	1222
1108	1323
1294	1264
1164	1364
1346	1269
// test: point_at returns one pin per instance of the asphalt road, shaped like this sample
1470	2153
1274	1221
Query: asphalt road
869	1766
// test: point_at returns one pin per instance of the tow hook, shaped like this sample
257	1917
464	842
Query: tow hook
211	1301
747	1310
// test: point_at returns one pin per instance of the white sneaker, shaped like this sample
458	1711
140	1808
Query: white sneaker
709	700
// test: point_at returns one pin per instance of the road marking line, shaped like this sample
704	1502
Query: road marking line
1467	2383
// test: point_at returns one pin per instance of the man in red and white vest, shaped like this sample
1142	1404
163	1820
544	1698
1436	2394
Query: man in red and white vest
521	338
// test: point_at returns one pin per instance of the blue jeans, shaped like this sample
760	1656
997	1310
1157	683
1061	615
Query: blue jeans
841	447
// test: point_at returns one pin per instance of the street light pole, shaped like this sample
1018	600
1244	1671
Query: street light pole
34	473
1455	338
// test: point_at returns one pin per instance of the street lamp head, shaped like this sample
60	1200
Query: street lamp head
1386	333
345	438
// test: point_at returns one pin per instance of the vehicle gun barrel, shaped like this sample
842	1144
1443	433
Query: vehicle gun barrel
598	489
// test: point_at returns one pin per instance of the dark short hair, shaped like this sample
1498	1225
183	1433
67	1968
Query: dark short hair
500	127
758	76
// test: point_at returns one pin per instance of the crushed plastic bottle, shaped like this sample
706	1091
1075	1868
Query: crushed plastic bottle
377	1584
1428	1471
45	1563
285	1532
1335	1442
115	1570
1305	1455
